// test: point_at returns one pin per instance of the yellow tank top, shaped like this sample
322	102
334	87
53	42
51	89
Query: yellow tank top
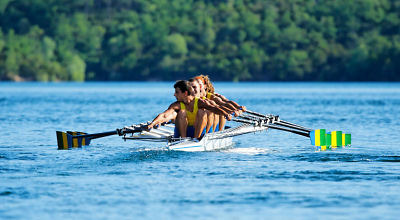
191	116
209	94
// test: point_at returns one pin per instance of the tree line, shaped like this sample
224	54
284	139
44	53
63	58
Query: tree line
233	40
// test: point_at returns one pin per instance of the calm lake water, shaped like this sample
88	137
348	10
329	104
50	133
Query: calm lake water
268	175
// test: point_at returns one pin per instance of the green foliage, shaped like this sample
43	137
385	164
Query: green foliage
176	45
52	40
3	5
76	68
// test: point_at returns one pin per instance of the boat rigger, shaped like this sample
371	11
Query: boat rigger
249	122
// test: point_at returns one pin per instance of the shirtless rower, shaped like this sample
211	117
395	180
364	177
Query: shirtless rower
191	118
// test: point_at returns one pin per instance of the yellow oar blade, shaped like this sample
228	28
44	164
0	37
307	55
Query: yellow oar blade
335	138
347	139
62	140
67	140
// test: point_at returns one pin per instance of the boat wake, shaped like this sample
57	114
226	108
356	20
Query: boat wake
248	150
146	149
240	150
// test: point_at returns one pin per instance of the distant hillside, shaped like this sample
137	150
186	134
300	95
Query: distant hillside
342	40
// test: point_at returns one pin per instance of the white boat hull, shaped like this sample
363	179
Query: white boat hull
210	142
204	145
214	141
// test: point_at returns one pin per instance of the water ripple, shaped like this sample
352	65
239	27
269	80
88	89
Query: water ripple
272	174
340	157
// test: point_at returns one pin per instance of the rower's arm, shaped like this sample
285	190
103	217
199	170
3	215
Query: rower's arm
221	100
237	106
217	102
225	105
167	115
213	108
221	97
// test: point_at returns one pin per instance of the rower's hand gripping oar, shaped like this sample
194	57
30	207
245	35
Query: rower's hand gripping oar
72	139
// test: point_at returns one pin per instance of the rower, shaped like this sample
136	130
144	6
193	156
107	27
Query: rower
212	119
197	92
191	118
228	105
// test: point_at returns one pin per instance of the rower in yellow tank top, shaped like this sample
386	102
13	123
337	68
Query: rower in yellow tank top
208	96
186	97
207	89
197	86
215	125
191	116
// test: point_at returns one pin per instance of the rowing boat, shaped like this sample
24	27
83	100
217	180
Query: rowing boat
248	122
210	141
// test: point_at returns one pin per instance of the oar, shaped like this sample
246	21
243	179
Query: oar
255	113
288	124
281	122
305	134
290	130
251	118
71	139
318	137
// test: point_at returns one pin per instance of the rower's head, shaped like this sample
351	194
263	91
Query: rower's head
208	84
182	90
196	89
200	81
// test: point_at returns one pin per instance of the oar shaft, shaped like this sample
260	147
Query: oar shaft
96	135
299	126
306	134
243	121
256	113
250	118
289	130
283	123
122	131
290	125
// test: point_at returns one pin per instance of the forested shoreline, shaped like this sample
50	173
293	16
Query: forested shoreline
241	40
